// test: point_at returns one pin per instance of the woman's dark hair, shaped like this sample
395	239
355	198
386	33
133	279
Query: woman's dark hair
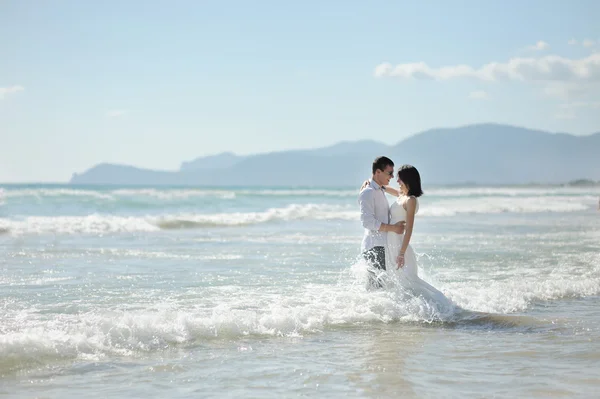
411	177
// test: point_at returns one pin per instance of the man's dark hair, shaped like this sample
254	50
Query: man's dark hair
381	163
411	177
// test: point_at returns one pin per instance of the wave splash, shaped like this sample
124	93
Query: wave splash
99	223
31	339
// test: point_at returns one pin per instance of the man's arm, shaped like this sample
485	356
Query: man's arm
366	200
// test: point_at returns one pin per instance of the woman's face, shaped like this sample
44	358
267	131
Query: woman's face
403	187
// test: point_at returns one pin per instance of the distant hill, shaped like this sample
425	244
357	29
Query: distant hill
478	154
219	161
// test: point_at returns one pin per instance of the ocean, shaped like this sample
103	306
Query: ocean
259	292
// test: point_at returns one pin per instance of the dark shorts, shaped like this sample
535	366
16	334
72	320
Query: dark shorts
375	257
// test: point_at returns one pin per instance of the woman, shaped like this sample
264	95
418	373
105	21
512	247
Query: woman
398	250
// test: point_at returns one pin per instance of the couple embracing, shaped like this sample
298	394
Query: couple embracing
388	228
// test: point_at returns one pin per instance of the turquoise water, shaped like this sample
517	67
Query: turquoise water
198	292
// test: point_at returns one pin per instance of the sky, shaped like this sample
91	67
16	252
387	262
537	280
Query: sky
155	83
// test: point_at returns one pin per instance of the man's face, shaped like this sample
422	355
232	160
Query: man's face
385	175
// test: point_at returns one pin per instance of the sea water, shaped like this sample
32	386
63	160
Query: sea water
259	292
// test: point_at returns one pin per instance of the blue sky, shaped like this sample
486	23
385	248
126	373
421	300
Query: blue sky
155	83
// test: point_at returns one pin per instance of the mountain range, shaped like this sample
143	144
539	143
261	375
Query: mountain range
474	154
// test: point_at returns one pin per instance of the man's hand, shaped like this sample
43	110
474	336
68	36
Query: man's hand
399	228
400	261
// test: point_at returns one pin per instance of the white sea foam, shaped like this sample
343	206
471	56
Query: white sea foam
518	294
300	193
490	205
91	224
29	339
168	194
40	193
26	339
290	212
103	223
99	223
173	194
185	193
516	191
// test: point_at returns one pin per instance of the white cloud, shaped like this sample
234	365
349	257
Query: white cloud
588	43
567	90
9	90
558	76
383	69
565	114
116	113
581	104
549	68
539	46
569	110
478	95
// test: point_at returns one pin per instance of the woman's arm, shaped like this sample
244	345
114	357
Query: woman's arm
392	191
411	206
367	215
388	189
365	185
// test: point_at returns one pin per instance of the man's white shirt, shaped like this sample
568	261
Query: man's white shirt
374	210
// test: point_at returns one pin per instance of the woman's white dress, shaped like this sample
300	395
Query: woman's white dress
408	276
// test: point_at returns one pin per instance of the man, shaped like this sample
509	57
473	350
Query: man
375	217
